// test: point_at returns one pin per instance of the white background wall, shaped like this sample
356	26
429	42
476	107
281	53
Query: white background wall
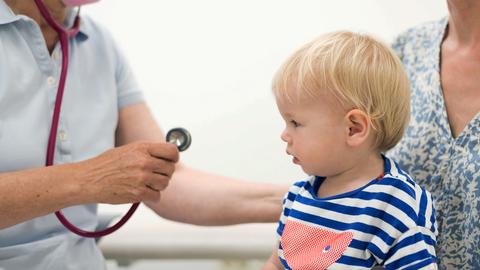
207	66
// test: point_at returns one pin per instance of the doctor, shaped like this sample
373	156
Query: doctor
108	147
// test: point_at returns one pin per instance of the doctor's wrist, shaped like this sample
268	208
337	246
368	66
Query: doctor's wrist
72	185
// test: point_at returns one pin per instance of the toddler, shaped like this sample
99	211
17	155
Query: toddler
345	100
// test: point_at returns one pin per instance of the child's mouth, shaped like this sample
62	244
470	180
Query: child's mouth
295	160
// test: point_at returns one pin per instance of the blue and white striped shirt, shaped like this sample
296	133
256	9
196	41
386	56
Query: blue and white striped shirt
390	221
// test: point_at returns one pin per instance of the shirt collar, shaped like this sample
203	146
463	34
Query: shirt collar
8	16
71	15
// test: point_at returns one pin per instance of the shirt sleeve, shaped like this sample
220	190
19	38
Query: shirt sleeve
128	90
415	248
287	204
119	70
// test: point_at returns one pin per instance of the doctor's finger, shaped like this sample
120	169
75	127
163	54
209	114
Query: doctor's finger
161	166
158	182
165	151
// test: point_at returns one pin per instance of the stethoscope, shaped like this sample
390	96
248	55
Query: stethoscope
178	136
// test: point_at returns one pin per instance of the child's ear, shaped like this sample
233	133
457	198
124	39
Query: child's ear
357	127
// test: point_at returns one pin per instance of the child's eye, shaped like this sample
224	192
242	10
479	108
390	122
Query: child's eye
294	123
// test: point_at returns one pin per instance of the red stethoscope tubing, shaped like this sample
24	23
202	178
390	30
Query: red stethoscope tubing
64	34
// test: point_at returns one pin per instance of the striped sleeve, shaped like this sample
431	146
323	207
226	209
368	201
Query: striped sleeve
287	205
415	248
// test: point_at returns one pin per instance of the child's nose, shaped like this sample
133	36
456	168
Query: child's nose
285	137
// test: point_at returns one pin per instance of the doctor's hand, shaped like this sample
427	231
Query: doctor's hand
130	173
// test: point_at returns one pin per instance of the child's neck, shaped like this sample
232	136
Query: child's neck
362	172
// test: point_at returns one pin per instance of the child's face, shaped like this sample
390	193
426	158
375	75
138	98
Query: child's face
315	134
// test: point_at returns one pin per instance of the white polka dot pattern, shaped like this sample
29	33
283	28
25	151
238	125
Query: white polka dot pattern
311	248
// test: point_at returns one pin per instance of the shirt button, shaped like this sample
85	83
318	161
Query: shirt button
51	80
56	55
62	135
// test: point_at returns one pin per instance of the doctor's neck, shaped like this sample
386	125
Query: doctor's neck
28	8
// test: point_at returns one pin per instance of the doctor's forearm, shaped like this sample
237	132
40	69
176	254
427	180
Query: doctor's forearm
121	175
205	199
36	192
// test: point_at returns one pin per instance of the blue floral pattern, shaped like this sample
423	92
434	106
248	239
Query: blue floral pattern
448	167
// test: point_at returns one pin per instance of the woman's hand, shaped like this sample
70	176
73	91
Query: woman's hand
131	173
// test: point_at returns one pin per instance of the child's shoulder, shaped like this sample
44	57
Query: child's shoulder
299	187
403	189
398	179
303	184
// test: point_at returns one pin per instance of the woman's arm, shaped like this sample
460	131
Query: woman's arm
131	173
32	193
199	197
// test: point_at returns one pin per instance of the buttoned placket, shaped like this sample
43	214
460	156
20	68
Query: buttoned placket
50	64
63	143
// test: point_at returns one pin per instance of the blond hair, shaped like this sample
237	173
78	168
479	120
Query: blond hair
361	73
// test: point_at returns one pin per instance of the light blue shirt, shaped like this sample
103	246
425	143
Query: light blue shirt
99	83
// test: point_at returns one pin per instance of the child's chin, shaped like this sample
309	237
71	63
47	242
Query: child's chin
306	171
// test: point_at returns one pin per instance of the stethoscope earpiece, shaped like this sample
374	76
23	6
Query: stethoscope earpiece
180	137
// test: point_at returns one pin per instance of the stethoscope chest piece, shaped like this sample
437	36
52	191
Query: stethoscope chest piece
180	137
